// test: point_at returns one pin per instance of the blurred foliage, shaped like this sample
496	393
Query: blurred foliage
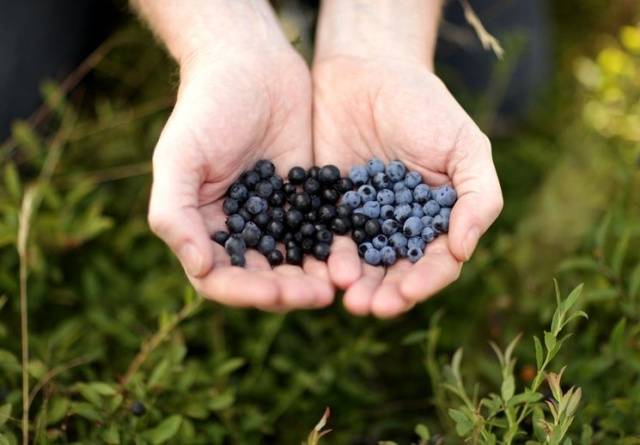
122	351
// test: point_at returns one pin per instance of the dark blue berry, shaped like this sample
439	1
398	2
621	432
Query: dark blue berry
235	223
230	206
265	168
220	237
297	175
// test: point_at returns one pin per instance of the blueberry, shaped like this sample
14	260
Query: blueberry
372	227
431	208
359	235
313	172
427	220
261	219
402	251
307	245
276	182
375	166
445	211
311	185
416	210
251	234
404	196
388	255
412	226
297	175
386	211
235	245
250	179
321	251
276	229
264	189
352	199
289	188
414	254
402	212
385	196
367	193
220	237
396	170
316	202
341	225
441	223
358	220
428	234
343	185
138	409
398	240
301	201
327	212
329	174
324	236
294	255
446	196
278	198
330	195
412	179
291	243
416	242
275	257
421	193
294	218
358	175
277	213
230	206
363	247
267	244
381	181
235	223
400	185
379	241
239	192
390	226
344	211
255	205
265	168
372	256
371	209
307	230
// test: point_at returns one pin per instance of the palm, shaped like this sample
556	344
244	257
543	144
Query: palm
222	124
394	111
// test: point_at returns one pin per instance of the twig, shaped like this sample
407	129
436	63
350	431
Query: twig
486	39
78	361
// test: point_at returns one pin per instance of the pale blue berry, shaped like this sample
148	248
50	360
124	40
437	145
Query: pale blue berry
402	212
446	196
367	192
428	234
379	241
372	256
398	240
421	193
412	226
414	254
374	166
386	196
416	210
381	181
388	255
431	208
386	211
416	242
399	186
396	170
412	179
359	175
441	223
352	199
404	196
371	209
390	226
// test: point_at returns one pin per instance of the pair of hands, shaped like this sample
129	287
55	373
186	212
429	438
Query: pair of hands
258	99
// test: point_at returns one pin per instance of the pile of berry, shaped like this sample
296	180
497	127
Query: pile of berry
389	212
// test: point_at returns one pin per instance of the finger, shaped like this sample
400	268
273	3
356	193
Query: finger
298	290
344	263
357	298
436	270
319	270
173	208
387	302
257	288
479	196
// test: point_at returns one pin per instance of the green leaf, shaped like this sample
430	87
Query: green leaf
12	182
620	252
634	281
415	337
222	401
572	298
508	388
5	412
230	366
111	435
616	339
549	340
57	409
539	352
159	373
103	389
525	397
27	139
4	440
164	431
86	410
464	425
422	432
455	364
581	263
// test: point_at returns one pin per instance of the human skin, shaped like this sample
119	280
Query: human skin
376	95
244	95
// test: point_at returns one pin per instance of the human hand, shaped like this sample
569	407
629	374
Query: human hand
239	100
396	108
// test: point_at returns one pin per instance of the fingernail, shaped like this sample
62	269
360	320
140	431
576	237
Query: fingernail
470	242
191	259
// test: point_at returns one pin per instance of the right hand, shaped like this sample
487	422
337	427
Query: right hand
250	101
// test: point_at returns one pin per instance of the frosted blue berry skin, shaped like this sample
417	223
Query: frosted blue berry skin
239	192
235	245
367	192
412	227
386	211
396	171
446	196
371	209
235	223
416	242
256	205
445	212
388	255
428	234
421	193
427	220
414	254
416	210
441	223
431	208
386	196
379	241
373	256
352	199
399	186
381	181
404	196
398	240
374	166
412	179
267	244
402	212
363	247
390	226
359	175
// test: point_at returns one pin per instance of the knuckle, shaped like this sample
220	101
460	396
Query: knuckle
159	222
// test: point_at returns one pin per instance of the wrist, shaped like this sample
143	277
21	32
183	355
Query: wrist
381	29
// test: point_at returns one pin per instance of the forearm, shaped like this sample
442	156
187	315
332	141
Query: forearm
190	27
378	28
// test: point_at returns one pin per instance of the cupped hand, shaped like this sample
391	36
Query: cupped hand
231	111
397	109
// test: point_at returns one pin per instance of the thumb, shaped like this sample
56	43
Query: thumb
174	206
479	196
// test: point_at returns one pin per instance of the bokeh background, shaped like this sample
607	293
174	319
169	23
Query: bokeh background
122	351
